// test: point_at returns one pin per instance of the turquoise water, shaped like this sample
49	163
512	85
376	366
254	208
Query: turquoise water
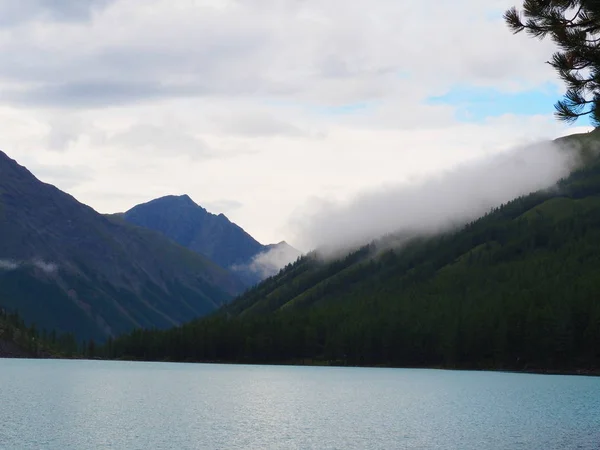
122	405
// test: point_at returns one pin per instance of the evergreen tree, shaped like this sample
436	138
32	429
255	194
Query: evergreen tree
574	25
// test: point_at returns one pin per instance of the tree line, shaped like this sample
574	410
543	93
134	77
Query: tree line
35	342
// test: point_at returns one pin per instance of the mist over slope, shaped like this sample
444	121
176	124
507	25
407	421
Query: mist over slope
435	203
267	263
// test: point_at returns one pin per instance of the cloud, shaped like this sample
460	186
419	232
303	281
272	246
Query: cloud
93	93
44	266
260	124
160	141
270	262
222	206
63	132
434	203
265	102
67	177
13	13
322	52
7	264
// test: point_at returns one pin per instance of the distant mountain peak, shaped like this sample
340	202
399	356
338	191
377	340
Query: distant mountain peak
211	235
186	199
177	200
190	225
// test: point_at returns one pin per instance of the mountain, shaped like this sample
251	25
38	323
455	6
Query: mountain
211	235
68	268
517	289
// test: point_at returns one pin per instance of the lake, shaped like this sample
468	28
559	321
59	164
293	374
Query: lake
54	404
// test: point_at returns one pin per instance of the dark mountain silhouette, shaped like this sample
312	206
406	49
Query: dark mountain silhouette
179	218
68	268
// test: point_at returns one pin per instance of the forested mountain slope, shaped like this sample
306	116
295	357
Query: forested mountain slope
518	288
67	268
17	340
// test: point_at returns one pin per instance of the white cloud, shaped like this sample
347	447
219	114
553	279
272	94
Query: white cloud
270	262
325	52
44	266
7	264
154	140
259	125
222	206
14	13
126	100
435	203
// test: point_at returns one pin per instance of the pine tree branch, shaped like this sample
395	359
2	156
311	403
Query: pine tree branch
576	14
574	26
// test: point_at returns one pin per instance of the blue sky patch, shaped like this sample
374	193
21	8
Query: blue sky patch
475	104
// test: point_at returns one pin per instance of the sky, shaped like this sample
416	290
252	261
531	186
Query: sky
265	109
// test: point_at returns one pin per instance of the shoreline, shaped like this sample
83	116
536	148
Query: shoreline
585	372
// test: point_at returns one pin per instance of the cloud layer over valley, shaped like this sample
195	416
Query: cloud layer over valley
434	203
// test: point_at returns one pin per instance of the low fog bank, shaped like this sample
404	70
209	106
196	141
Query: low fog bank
437	203
9	264
270	262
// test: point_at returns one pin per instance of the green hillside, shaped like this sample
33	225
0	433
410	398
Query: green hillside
517	289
